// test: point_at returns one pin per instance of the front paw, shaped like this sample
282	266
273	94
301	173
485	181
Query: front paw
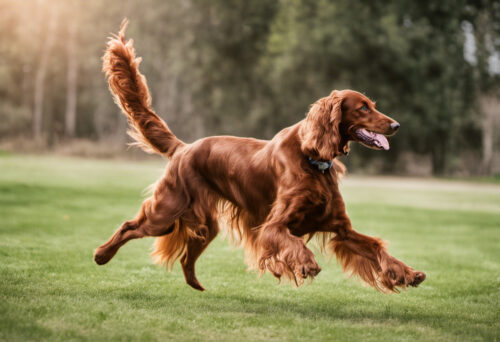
305	265
418	277
397	274
295	264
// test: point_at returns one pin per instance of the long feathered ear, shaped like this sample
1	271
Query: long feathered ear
319	133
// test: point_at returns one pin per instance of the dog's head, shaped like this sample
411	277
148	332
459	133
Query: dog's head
344	116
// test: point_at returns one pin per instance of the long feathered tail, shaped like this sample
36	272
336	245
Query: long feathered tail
131	94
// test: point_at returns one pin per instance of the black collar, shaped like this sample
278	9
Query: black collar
321	165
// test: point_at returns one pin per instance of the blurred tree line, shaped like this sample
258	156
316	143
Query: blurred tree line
253	67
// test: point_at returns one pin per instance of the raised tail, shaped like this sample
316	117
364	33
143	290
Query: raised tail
131	93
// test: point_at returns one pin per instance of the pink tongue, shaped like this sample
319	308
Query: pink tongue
381	141
376	139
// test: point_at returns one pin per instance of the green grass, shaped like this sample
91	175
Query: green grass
55	211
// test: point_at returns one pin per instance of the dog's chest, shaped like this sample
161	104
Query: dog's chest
320	204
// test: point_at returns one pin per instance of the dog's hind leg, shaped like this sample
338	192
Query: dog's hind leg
196	246
156	218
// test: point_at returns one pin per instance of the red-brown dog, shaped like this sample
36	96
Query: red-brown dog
275	195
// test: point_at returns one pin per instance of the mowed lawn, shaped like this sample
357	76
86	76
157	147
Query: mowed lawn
55	211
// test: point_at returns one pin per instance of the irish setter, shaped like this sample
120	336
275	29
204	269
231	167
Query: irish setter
273	196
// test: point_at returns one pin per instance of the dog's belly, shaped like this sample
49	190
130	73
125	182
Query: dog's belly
253	191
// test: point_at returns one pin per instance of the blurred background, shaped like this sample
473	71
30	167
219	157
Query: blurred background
250	68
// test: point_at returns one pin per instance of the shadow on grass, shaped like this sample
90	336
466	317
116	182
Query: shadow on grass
305	306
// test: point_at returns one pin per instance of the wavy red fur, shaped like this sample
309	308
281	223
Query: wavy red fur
267	195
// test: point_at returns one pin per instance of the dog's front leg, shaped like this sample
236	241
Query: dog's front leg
366	256
280	252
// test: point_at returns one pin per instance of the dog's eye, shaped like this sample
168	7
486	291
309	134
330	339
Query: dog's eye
364	108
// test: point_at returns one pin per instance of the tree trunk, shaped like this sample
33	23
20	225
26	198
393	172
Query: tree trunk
488	107
485	36
71	88
27	81
439	156
40	76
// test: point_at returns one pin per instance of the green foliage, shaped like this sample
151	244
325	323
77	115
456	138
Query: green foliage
254	67
55	211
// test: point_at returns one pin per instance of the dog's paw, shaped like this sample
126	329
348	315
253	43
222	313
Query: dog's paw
397	274
294	264
310	270
306	266
101	256
418	277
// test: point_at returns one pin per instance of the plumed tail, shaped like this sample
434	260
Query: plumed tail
131	93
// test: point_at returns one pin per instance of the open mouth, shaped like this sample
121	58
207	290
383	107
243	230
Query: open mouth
372	139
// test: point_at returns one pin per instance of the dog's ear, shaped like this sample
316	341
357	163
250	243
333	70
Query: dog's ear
319	132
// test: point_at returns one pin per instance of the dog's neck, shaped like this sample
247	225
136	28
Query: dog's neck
320	164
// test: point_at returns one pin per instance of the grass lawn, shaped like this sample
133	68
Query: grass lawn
55	211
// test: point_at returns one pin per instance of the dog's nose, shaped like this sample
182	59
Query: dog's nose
395	126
